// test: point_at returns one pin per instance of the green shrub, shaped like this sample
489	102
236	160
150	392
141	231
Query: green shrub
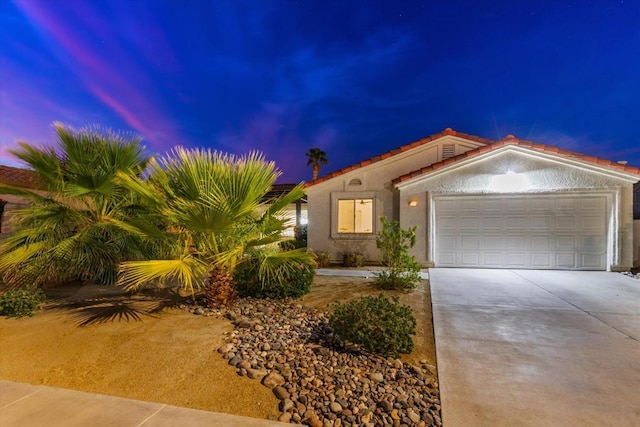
353	259
294	283
21	302
394	243
377	324
323	259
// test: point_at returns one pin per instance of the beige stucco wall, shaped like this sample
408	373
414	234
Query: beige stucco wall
544	175
375	182
13	203
636	243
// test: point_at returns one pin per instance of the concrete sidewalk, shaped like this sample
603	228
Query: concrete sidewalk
26	405
537	348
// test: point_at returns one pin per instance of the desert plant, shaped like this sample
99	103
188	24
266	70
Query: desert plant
394	243
77	230
218	216
353	259
377	324
293	283
21	302
323	259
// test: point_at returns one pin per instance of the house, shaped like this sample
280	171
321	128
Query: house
482	203
16	177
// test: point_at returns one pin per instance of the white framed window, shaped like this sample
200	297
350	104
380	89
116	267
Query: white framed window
353	214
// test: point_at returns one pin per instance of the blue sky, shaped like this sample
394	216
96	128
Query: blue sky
355	78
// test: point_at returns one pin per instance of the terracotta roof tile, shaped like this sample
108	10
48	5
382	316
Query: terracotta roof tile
395	151
19	177
511	140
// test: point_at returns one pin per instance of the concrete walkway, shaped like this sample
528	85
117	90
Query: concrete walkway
537	348
25	405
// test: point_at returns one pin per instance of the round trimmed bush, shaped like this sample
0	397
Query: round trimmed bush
377	324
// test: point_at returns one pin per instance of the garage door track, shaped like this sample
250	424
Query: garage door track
537	348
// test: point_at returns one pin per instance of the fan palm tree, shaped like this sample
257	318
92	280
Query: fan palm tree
77	230
217	216
316	157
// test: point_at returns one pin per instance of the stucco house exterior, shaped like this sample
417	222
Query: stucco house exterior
482	203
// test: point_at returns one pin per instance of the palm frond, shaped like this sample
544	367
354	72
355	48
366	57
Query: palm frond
189	271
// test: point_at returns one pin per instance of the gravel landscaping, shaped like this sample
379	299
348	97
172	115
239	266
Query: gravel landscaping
291	350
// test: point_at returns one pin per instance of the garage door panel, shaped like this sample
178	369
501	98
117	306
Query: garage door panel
492	259
541	243
565	243
516	259
470	259
540	222
590	260
470	242
566	260
514	231
565	222
541	260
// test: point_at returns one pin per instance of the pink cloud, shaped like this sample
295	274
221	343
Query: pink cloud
122	87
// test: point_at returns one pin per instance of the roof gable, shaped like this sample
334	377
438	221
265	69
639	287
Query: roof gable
510	140
400	150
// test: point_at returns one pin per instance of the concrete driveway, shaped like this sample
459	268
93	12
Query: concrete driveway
537	348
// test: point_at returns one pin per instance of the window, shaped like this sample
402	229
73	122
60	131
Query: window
355	216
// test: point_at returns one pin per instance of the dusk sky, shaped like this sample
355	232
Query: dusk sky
354	78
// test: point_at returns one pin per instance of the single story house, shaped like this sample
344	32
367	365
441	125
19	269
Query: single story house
482	203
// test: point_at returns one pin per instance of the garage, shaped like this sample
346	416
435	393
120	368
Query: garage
545	231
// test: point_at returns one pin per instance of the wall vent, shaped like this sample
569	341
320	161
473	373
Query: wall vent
448	151
355	181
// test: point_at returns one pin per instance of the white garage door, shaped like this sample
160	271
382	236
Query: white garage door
546	231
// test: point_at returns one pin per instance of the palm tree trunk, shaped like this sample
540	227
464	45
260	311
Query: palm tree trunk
316	171
221	291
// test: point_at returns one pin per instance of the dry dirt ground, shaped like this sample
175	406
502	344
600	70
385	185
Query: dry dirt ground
96	339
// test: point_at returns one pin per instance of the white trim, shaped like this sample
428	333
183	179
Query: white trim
561	160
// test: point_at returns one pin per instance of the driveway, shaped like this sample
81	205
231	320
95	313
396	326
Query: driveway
537	348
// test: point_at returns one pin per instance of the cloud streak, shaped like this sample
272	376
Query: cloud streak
121	87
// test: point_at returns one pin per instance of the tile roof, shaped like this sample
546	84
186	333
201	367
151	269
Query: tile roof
512	140
402	149
18	177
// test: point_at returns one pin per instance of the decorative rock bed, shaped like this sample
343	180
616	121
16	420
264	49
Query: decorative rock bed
291	349
630	274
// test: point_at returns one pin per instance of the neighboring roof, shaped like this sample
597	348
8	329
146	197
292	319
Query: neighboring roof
512	140
402	149
18	177
278	190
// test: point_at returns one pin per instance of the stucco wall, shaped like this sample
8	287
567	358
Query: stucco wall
375	178
542	176
636	243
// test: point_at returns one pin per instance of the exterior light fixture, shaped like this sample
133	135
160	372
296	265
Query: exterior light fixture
413	203
510	182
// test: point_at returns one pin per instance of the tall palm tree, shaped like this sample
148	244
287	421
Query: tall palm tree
77	230
316	157
217	217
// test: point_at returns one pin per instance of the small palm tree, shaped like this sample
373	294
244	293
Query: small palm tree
316	157
217	217
78	229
